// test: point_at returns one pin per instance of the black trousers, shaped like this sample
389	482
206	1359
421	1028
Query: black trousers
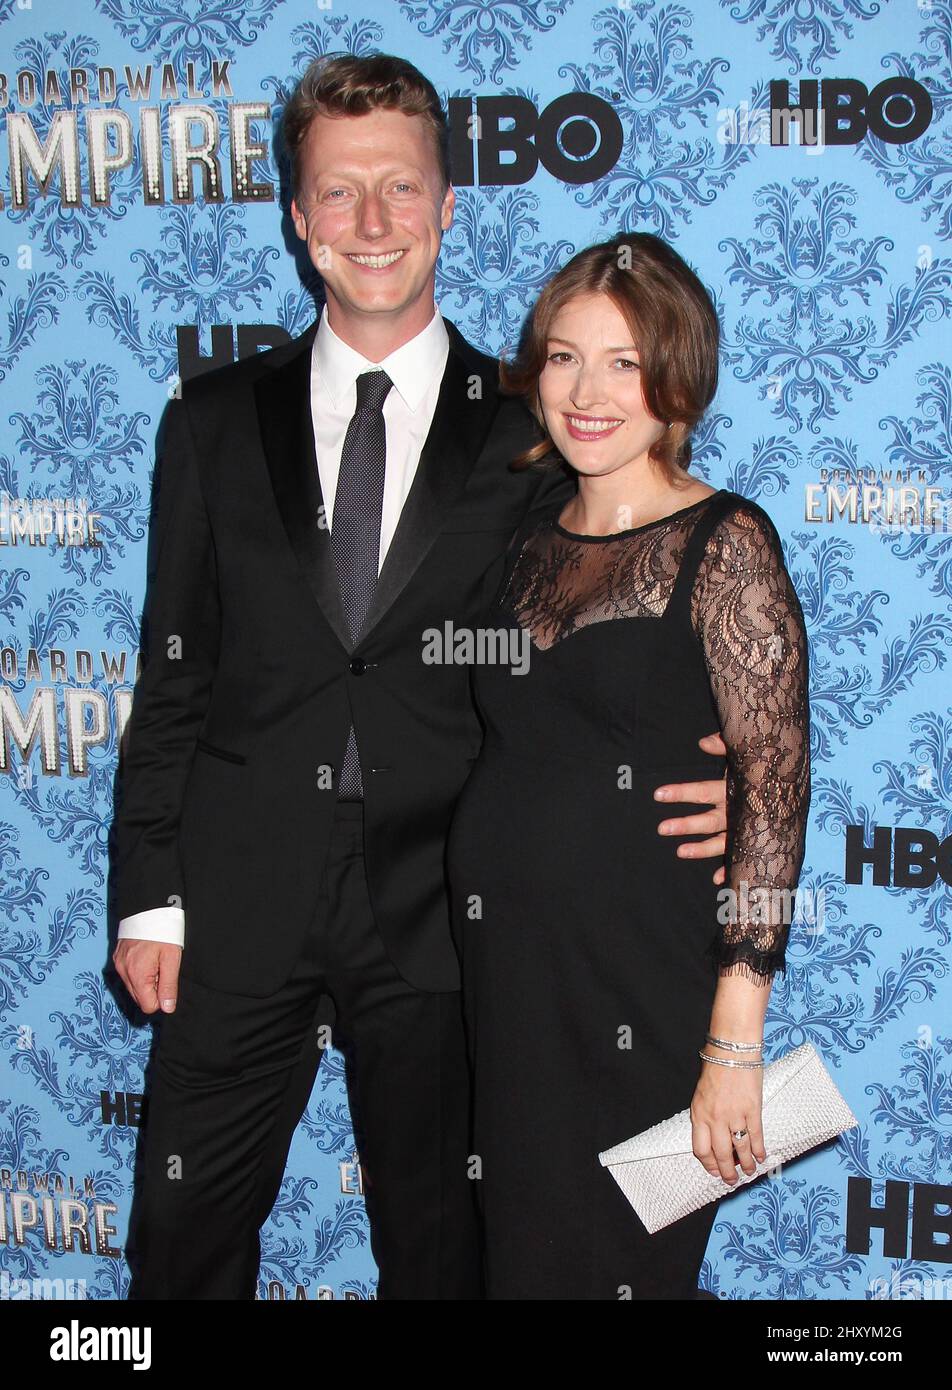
233	1075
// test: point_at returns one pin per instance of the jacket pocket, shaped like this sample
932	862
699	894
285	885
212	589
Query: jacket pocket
215	752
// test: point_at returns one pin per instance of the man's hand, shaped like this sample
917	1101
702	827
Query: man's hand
713	822
149	970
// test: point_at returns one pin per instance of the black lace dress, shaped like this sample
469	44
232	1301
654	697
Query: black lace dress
590	950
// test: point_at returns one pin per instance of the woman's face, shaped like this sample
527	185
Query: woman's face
590	389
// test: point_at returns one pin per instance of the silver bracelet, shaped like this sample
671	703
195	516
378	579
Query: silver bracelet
723	1062
733	1046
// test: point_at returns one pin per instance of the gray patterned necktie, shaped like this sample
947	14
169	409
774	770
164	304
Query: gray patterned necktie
355	529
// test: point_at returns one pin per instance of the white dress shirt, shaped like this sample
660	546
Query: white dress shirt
416	370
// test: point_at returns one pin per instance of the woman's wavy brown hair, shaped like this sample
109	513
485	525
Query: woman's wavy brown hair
672	320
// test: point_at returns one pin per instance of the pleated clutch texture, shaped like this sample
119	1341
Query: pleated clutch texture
664	1181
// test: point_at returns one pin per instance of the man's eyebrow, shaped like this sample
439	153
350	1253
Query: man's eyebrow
349	173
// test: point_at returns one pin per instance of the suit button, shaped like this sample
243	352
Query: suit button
358	666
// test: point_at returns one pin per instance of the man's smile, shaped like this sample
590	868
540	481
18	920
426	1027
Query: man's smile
379	260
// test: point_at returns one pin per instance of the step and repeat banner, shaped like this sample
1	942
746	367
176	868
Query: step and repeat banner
799	157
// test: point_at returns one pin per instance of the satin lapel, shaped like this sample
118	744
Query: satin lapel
283	399
460	425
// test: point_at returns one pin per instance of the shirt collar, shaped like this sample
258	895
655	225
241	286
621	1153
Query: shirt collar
411	367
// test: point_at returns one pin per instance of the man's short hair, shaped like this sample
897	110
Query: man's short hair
349	84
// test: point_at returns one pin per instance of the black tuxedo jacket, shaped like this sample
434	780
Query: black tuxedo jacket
249	681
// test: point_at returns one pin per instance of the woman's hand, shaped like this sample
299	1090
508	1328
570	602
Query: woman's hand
728	1099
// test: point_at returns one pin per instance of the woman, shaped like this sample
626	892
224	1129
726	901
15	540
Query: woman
598	963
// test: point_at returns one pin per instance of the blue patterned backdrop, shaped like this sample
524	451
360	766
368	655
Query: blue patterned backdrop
826	246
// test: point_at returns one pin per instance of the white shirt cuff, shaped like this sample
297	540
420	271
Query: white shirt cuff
155	924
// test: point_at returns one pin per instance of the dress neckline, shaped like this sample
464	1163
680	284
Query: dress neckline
634	530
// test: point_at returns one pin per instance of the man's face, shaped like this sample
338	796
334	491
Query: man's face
371	208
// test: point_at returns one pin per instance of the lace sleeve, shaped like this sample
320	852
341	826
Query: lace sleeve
748	618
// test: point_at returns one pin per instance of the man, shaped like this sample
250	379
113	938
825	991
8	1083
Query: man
292	762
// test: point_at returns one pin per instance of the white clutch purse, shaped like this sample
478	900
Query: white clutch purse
663	1180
